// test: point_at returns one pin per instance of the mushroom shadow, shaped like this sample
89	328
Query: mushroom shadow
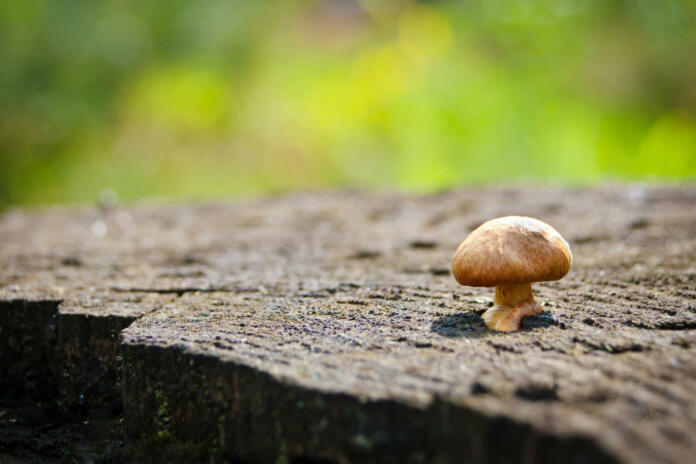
460	325
542	320
471	325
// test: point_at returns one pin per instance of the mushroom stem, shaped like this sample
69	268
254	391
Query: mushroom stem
512	303
513	294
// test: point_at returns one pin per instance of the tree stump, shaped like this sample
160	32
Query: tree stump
326	327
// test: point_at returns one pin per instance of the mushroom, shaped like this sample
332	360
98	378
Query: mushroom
510	253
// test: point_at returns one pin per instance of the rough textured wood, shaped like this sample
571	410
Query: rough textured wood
328	326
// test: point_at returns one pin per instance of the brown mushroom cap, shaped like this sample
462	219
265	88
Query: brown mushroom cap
511	250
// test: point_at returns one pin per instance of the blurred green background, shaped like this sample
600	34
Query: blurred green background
199	99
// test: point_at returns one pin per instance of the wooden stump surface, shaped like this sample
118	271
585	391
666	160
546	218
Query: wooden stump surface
328	326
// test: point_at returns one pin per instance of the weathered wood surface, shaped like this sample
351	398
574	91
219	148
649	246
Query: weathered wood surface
328	326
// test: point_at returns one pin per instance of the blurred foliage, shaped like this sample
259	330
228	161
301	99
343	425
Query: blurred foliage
218	97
